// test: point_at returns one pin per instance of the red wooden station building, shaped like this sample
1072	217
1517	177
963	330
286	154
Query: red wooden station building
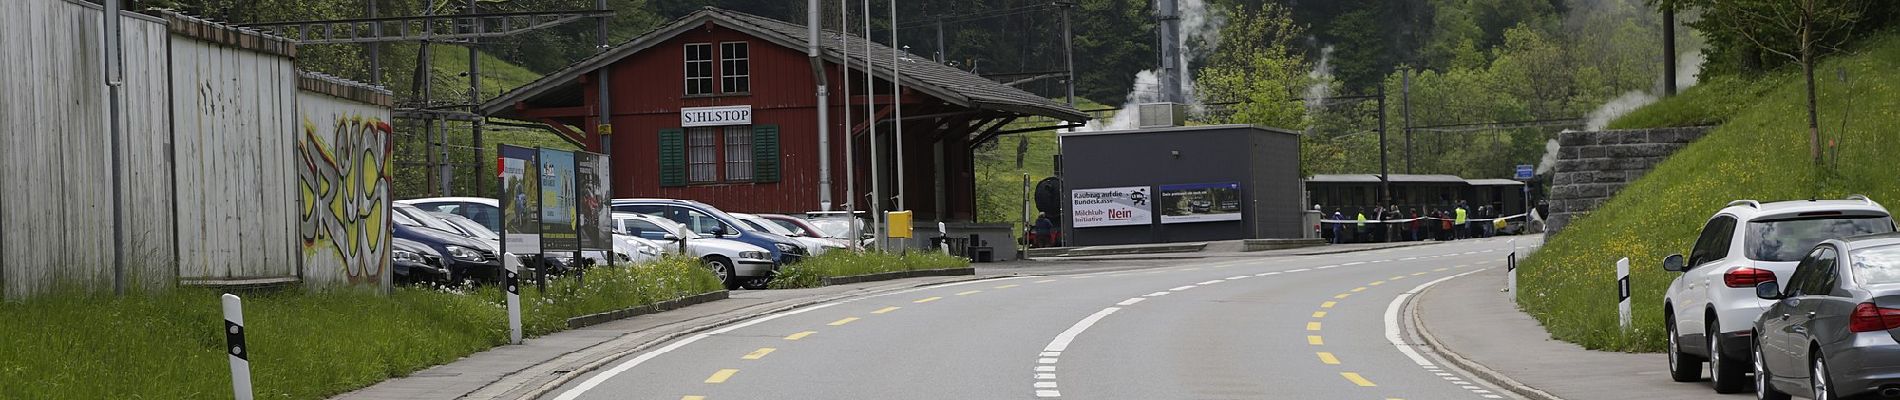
720	107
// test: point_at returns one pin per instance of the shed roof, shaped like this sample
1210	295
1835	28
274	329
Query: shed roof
937	80
1395	178
1494	182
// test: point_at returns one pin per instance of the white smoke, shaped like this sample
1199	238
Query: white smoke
1550	157
1322	77
1688	67
1198	21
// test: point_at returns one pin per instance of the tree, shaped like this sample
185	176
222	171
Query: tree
1798	30
1256	67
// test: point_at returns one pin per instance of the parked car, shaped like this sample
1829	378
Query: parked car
415	262
838	224
813	246
1831	332
799	227
468	259
1710	307
736	263
707	220
627	249
484	210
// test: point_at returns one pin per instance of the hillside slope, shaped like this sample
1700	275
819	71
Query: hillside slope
1759	152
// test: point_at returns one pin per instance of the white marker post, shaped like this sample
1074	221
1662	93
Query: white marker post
943	233
1623	293
234	341
1510	271
512	285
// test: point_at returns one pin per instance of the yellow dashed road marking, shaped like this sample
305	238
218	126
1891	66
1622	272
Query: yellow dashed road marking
847	320
1418	273
1328	304
800	335
693	398
1395	278
1328	359
1315	340
1440	270
885	310
967	293
1319	314
1356	379
1006	286
1312	326
1359	289
1191	269
1342	295
927	300
1045	281
758	354
1376	283
721	376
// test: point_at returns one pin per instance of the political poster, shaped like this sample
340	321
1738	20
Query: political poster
1200	202
520	199
1111	206
595	226
559	214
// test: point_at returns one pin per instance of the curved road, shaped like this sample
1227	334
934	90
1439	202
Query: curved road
1313	327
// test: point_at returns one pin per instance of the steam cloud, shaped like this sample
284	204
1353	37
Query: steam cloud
1198	21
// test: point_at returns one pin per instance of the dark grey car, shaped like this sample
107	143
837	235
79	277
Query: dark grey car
1834	331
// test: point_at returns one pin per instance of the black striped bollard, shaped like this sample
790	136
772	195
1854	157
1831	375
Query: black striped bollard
1623	293
234	342
1510	271
512	284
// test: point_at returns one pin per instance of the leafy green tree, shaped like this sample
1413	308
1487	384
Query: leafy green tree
1796	30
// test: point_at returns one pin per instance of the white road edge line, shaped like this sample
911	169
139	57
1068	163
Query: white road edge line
1131	301
1392	319
1062	340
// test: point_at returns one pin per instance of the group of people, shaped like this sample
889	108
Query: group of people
1395	224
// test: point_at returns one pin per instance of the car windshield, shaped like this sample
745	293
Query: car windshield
1877	265
431	221
764	225
469	226
789	226
1789	240
653	229
403	219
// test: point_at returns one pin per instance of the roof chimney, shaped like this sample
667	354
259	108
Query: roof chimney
1168	18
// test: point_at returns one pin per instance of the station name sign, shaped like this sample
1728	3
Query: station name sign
715	116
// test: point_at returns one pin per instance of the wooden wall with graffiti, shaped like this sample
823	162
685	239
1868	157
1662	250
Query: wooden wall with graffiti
343	178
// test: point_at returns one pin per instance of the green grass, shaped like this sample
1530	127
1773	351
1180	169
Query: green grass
304	345
1710	103
1760	152
813	271
1000	183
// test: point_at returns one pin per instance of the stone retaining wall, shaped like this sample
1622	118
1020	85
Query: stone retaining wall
1593	166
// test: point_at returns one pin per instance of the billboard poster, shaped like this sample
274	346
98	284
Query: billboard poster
1200	202
595	226
558	213
520	199
1116	206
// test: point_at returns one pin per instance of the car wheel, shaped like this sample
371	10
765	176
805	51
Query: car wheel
1764	388
1823	389
757	283
1726	376
1683	367
722	268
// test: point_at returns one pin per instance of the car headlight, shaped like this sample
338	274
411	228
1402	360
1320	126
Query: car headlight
464	253
788	248
649	250
409	256
755	255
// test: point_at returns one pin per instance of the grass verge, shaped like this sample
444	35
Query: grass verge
1711	103
1760	153
812	272
304	345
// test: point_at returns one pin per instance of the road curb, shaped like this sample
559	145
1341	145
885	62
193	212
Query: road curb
1437	348
664	306
591	366
885	276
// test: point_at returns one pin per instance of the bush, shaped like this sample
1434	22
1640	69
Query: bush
1760	153
813	271
304	345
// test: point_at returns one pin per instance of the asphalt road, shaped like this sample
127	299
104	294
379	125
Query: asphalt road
1314	327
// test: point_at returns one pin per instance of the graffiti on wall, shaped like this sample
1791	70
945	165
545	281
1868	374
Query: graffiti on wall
345	187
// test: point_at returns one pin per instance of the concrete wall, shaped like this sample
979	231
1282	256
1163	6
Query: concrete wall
344	143
1593	166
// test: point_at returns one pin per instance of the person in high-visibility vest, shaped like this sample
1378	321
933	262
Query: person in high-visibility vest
1359	233
1460	225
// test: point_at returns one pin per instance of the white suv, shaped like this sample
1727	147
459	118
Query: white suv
1710	308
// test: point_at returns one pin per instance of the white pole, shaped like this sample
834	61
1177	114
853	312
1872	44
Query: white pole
1623	293
234	339
870	116
850	136
512	285
944	233
824	107
897	119
1510	271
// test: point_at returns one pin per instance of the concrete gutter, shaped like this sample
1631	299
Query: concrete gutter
1478	371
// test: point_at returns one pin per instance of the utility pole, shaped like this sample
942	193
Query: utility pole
475	98
870	116
940	46
1669	48
1405	113
375	48
850	136
1068	49
114	71
1385	177
604	124
897	106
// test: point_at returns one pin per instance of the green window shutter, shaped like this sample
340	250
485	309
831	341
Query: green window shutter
765	154
672	157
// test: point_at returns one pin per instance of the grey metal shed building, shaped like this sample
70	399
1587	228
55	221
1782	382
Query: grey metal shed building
1197	178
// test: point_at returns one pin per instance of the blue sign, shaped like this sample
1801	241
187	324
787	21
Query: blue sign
1525	172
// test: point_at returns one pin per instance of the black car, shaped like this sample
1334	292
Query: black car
415	262
1834	330
466	258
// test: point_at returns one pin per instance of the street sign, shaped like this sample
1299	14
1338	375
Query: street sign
1525	172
